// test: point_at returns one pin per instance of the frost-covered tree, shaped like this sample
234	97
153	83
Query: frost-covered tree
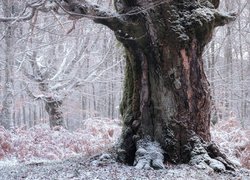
6	115
52	78
166	101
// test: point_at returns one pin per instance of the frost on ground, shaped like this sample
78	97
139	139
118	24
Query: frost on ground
41	153
233	140
85	169
41	143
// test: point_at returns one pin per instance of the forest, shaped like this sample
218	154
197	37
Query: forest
117	89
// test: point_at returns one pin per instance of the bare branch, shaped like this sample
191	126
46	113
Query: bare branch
215	3
29	92
75	9
78	9
39	5
222	19
27	75
20	17
37	73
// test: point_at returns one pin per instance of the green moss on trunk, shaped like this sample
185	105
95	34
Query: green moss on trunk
166	95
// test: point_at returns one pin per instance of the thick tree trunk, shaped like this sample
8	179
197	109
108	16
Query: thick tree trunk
166	103
54	110
166	97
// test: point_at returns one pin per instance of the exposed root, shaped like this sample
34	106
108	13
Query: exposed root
149	155
209	157
102	159
215	153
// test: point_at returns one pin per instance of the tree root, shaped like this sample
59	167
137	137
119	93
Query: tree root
149	155
102	159
214	152
209	157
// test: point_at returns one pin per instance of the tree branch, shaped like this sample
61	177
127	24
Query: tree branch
19	18
215	3
33	6
29	92
222	18
77	9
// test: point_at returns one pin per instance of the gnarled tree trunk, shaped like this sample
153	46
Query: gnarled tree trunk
166	103
54	110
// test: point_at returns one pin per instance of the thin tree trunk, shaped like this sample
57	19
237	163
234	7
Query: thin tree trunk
229	63
8	101
242	70
83	107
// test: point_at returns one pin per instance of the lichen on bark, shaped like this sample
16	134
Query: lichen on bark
166	94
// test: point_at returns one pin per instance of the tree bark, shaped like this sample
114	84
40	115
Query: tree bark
166	101
54	110
6	116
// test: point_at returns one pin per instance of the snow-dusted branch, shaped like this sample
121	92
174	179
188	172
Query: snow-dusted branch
19	18
30	93
222	18
24	15
77	9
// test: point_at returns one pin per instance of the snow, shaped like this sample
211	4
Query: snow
9	162
202	14
80	168
233	140
148	155
41	153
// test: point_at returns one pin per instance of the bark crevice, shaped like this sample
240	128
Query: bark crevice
166	102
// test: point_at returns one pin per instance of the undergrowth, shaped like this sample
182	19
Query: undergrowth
233	140
40	142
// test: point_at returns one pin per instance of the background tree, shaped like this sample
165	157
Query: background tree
7	117
228	75
64	53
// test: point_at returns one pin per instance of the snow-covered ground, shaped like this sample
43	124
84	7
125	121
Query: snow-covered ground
233	140
41	153
81	168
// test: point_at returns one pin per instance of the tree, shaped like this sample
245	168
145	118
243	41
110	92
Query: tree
57	78
6	115
166	101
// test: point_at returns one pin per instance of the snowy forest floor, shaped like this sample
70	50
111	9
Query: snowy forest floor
42	153
81	168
